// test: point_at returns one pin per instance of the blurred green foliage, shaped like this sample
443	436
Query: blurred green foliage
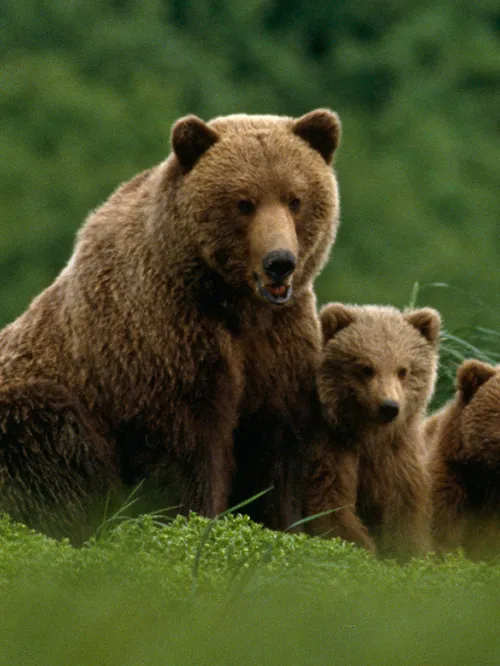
89	91
257	597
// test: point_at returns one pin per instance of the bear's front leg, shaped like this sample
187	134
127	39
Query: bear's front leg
183	448
207	473
208	420
282	504
269	459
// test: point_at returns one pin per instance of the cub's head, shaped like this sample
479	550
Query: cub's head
257	198
476	408
378	365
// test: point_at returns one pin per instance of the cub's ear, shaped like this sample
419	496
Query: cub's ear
321	130
191	137
471	375
427	321
334	317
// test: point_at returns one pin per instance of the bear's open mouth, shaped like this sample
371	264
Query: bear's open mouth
275	293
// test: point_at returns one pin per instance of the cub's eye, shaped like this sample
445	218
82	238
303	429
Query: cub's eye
246	207
294	205
402	372
367	370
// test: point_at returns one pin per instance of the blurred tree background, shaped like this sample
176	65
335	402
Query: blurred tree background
89	91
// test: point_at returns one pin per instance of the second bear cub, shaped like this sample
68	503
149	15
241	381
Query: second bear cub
375	380
464	463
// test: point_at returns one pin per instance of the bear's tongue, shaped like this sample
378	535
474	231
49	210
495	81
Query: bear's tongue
279	290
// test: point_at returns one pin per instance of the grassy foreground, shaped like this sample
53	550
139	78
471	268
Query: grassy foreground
231	592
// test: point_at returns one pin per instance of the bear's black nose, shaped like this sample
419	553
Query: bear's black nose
279	264
388	410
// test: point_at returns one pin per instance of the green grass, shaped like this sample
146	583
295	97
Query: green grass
458	344
145	594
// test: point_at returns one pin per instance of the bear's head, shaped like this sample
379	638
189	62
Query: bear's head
379	364
472	418
257	198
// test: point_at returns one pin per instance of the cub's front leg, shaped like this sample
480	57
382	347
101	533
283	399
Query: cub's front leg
406	514
448	507
332	486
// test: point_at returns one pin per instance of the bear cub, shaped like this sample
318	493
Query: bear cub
374	383
464	464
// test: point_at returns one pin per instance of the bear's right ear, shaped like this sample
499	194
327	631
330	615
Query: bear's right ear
334	317
321	130
191	137
471	375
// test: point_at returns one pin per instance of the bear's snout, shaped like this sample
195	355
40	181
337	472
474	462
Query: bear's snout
388	410
279	264
274	251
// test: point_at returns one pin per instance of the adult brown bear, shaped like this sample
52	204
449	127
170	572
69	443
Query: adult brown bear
180	342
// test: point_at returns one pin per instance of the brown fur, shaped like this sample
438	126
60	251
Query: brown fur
375	354
464	463
159	333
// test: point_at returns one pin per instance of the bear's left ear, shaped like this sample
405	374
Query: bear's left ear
427	321
191	137
321	130
470	376
334	317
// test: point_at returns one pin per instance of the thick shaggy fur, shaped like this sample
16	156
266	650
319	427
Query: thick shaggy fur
55	469
164	350
374	383
464	463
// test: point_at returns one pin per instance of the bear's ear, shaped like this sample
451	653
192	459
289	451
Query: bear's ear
334	317
427	321
470	376
191	137
321	130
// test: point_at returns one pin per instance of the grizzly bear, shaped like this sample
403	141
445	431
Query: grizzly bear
374	381
179	344
464	464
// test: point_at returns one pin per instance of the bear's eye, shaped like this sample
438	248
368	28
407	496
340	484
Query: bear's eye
367	370
294	204
402	372
246	207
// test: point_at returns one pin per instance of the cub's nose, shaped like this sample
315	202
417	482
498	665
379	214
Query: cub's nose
388	410
279	264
